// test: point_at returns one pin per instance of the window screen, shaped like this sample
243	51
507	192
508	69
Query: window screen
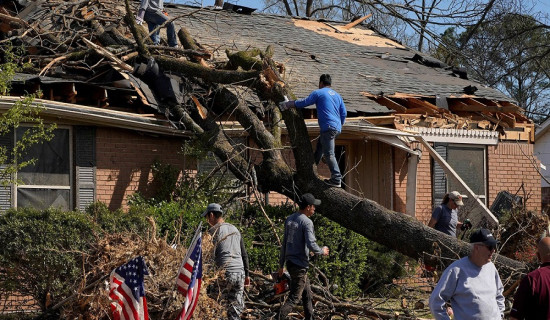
46	182
468	162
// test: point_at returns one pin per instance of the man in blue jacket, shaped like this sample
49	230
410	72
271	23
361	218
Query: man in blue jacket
331	115
299	240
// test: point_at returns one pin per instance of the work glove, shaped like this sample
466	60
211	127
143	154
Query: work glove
285	105
139	16
466	225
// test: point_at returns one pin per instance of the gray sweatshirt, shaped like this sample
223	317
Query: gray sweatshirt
298	240
152	5
475	293
229	253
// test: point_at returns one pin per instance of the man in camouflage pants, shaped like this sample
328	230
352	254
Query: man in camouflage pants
231	256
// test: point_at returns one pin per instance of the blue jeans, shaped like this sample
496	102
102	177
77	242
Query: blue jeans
325	147
155	19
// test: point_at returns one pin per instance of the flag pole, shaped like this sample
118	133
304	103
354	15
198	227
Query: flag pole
187	254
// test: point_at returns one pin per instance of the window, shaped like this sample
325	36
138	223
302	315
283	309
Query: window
47	182
469	162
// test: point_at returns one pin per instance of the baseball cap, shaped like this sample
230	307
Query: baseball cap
309	199
483	236
212	207
457	198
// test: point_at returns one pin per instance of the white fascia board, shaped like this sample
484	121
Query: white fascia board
98	116
460	136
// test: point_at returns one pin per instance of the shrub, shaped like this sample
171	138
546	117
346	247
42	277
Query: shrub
43	251
117	221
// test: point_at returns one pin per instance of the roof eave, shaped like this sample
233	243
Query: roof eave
97	116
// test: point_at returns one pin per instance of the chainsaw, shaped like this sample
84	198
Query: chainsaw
279	289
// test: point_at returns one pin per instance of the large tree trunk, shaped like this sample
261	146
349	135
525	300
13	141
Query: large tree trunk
395	230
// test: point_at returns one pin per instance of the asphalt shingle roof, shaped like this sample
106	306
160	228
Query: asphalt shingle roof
385	66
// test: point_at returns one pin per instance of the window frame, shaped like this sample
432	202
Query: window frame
16	186
483	197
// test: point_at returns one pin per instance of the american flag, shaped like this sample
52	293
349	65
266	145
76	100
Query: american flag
128	292
190	276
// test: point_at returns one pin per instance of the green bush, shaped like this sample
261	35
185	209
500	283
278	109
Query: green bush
172	219
117	221
355	264
259	236
178	204
42	251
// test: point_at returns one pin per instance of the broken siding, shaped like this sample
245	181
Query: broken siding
6	141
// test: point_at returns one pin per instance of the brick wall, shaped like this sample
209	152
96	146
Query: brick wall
424	201
124	161
512	165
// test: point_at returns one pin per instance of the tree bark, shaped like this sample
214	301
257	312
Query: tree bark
395	230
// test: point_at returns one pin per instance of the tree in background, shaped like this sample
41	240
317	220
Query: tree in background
510	52
23	111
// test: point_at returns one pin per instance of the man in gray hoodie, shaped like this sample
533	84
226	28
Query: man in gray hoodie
152	12
231	256
471	284
298	240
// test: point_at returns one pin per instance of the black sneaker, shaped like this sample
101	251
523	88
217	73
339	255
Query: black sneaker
332	183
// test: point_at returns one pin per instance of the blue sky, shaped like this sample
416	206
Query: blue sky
540	6
258	4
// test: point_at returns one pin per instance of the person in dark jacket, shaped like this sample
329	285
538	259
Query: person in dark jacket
445	216
298	241
532	299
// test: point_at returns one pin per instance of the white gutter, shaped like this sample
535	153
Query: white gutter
99	116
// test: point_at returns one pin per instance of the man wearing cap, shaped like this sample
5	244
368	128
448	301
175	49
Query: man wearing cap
298	240
230	255
532	300
445	216
471	284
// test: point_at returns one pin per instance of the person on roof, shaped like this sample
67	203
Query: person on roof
331	115
152	12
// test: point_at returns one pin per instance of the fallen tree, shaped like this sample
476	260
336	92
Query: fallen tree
202	112
392	229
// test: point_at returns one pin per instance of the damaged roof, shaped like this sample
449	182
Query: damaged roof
83	53
362	63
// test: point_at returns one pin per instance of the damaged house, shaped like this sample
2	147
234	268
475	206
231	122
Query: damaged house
407	112
416	128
